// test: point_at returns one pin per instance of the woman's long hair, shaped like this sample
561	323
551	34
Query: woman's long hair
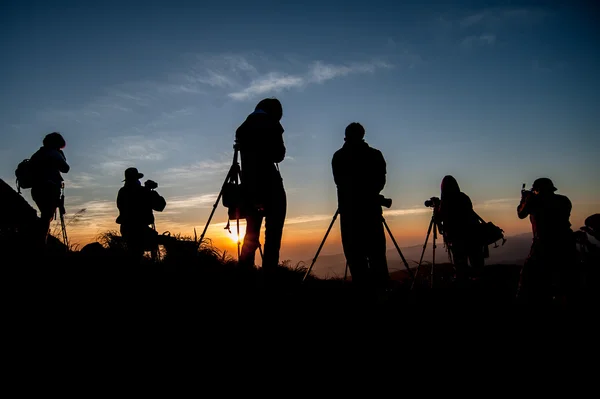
449	187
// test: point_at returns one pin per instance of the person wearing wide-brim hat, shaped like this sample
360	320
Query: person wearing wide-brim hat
132	174
545	277
136	203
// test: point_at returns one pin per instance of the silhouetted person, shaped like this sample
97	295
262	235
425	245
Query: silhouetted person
459	225
592	226
50	162
136	203
260	142
546	273
359	172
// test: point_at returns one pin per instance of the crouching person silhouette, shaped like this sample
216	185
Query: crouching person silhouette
136	203
260	142
546	276
49	162
359	172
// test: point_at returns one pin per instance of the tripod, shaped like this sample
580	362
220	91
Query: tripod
61	212
231	194
432	225
346	271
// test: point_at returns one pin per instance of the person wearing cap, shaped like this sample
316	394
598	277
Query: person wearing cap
359	172
136	203
545	276
50	162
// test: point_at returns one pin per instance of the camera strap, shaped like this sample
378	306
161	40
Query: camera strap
479	217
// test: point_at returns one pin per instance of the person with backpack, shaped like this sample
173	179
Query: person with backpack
47	164
136	203
260	142
460	227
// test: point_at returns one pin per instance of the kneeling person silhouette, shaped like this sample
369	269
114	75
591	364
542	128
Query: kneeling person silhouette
136	203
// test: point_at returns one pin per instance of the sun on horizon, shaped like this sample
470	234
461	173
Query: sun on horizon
233	236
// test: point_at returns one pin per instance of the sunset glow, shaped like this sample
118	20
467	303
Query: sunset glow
235	238
495	94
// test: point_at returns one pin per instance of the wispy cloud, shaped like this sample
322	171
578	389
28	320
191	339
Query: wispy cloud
478	40
498	17
495	203
540	66
409	211
111	167
473	19
320	217
271	82
197	170
221	76
318	72
213	79
488	26
80	180
98	215
134	148
307	219
177	204
499	203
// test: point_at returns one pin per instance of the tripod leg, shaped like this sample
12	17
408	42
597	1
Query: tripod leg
434	245
321	246
233	171
64	231
238	236
422	252
398	249
210	217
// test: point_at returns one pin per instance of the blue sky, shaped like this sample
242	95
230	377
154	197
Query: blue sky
495	93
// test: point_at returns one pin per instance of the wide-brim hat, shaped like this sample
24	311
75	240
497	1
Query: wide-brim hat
132	174
543	183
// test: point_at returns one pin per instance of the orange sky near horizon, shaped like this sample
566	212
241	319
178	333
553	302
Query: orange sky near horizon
303	235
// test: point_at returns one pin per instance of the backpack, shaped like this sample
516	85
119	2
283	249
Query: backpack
489	233
25	174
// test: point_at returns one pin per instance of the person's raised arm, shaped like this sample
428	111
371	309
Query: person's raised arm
523	208
59	159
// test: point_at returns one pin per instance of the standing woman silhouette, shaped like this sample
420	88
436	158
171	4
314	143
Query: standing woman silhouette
459	224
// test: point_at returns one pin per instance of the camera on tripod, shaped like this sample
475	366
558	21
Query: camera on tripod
150	184
387	202
432	202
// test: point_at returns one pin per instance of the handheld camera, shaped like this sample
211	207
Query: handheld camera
524	192
150	184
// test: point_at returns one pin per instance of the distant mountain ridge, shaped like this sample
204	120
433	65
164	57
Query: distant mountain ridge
513	252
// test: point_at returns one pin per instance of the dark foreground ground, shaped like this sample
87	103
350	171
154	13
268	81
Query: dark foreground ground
111	287
100	320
